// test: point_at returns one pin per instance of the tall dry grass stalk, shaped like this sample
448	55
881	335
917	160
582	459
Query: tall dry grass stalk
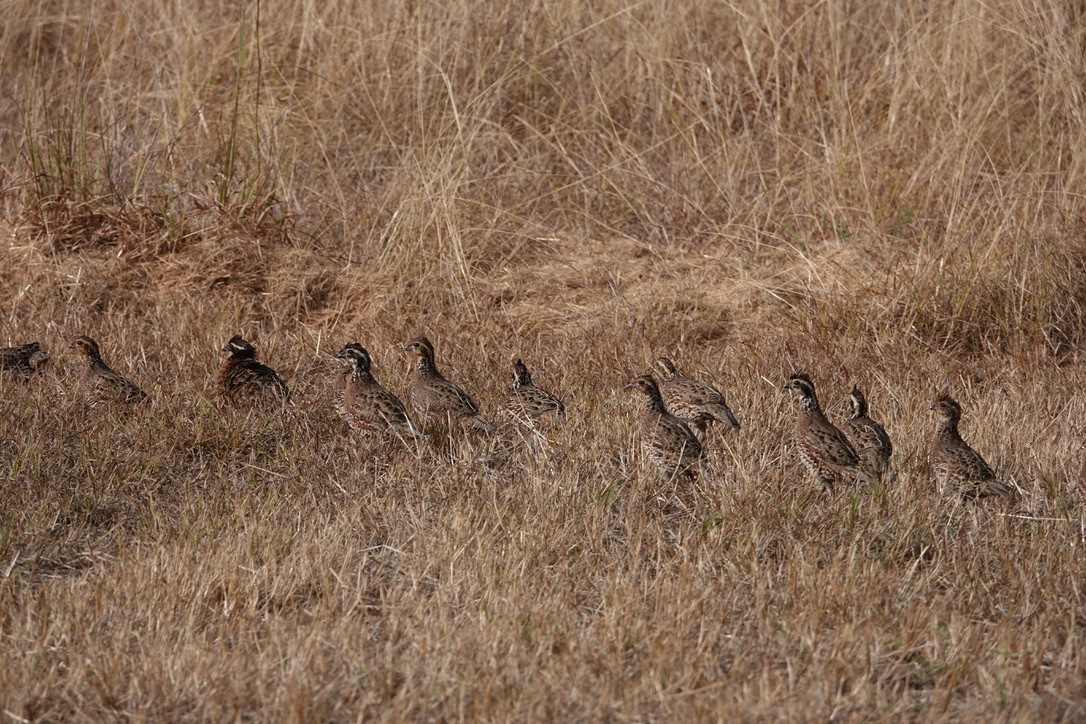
886	194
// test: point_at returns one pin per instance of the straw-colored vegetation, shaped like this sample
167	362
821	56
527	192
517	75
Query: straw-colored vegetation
882	194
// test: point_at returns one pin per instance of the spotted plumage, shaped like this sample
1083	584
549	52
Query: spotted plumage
103	384
954	464
693	401
666	441
868	438
24	358
339	388
433	397
367	407
244	382
824	450
526	403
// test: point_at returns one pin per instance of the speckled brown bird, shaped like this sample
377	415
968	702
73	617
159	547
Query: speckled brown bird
695	402
954	464
824	450
526	403
244	382
101	381
868	438
666	441
432	396
367	407
24	358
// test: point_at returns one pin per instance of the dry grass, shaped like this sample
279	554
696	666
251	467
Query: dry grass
886	194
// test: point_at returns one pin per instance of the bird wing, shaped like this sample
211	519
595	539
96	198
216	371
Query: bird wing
118	386
869	440
833	444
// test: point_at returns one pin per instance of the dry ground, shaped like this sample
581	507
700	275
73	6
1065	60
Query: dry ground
885	194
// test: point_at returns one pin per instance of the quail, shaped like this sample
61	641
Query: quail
526	403
244	382
433	396
104	384
693	401
367	407
868	438
28	357
666	441
824	449
954	464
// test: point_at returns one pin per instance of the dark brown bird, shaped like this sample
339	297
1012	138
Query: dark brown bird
104	384
24	358
367	407
693	401
954	464
434	396
868	438
666	440
824	450
244	382
525	402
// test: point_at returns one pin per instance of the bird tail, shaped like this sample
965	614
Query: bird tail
477	422
990	489
724	414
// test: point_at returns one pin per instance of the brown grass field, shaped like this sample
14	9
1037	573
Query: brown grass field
882	194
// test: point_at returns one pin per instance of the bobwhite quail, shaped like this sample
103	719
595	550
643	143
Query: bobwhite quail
666	440
824	450
367	407
869	438
104	384
23	358
693	401
954	464
434	396
525	402
244	382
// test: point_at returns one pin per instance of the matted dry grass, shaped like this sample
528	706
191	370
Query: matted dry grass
885	194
